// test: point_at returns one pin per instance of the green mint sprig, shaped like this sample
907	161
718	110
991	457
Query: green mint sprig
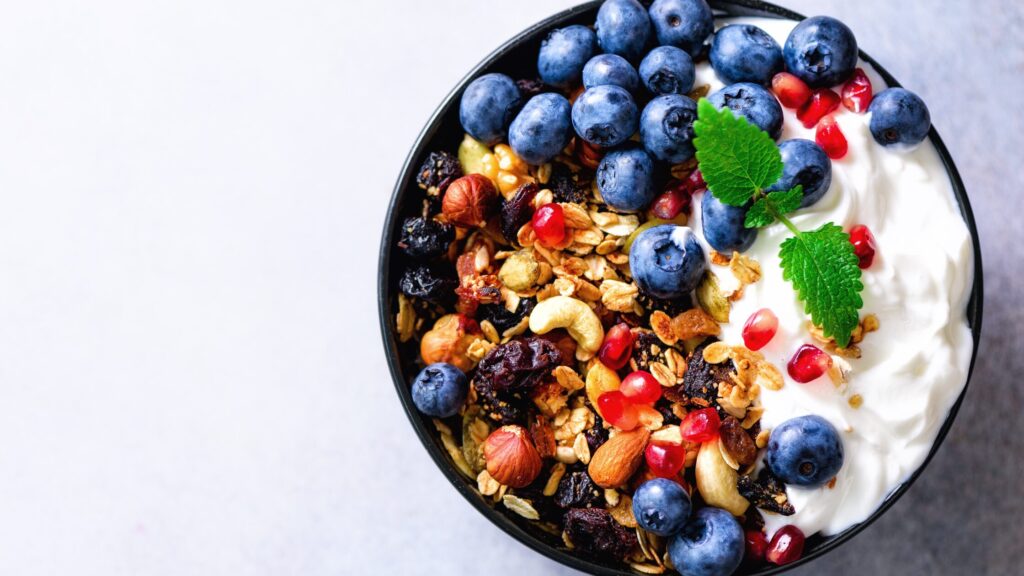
738	162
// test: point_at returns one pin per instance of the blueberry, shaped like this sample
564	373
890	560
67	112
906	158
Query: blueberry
806	164
723	225
626	179
666	127
684	24
711	544
821	51
745	53
899	118
623	28
661	506
488	106
605	115
667	261
667	70
439	390
564	53
541	129
752	102
610	69
804	451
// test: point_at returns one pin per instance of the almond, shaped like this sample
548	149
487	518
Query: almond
618	458
511	457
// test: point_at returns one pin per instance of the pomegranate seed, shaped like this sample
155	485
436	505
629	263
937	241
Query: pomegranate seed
863	245
700	425
665	460
695	182
791	91
857	92
549	224
617	347
823	101
617	410
830	138
641	388
809	363
786	546
675	200
760	329
756	545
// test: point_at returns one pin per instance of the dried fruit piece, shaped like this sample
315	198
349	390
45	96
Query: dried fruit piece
470	201
766	492
577	490
425	237
736	442
694	323
432	283
518	365
563	183
501	318
700	383
517	211
511	457
594	532
438	171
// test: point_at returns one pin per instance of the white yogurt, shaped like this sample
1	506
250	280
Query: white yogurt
914	367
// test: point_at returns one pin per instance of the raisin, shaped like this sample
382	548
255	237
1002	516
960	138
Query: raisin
737	442
501	318
438	171
517	211
673	307
700	383
564	185
647	348
597	435
425	237
530	87
577	490
594	532
518	365
767	493
431	283
504	409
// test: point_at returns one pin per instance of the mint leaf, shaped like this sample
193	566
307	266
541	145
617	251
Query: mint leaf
823	269
764	210
759	216
736	158
787	201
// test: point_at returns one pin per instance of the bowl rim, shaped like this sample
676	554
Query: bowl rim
427	434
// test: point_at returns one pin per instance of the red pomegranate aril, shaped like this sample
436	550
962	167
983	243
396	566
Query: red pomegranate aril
665	460
863	245
549	224
695	182
857	92
617	410
700	425
791	91
675	200
823	101
830	138
760	329
756	546
786	547
808	364
617	347
641	387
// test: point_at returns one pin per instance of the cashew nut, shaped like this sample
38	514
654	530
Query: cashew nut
716	480
576	317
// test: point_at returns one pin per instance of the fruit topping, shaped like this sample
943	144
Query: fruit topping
863	245
425	237
549	224
752	102
760	328
808	363
667	261
439	390
565	186
641	387
899	118
821	51
711	544
563	54
723	225
804	451
517	365
804	164
626	179
766	492
618	410
434	283
617	347
664	459
666	127
488	106
790	90
736	442
700	383
623	28
577	490
857	92
610	69
700	425
438	171
745	53
830	137
823	101
756	546
594	532
674	201
786	547
682	23
667	70
541	129
605	116
517	211
661	506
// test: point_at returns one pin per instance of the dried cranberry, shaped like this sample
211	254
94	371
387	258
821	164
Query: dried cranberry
431	283
518	365
517	211
425	237
437	172
577	490
565	186
594	532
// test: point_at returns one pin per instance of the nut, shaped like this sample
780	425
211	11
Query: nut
694	323
716	480
470	201
617	459
520	271
576	317
450	340
511	458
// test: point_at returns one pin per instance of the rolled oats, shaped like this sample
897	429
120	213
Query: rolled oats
520	506
405	320
557	471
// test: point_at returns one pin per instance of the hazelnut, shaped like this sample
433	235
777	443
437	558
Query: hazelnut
511	457
450	340
470	201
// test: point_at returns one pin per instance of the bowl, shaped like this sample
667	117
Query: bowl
517	57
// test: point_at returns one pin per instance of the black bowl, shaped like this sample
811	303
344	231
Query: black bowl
517	58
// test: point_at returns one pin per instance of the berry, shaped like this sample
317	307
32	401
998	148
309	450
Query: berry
605	116
641	387
673	202
823	101
809	363
667	70
863	245
661	506
830	137
711	544
804	451
435	284
549	224
756	546
752	102
821	51
700	425
541	129
666	127
617	346
439	390
786	547
665	460
667	261
790	90
745	53
564	53
626	179
899	118
760	329
610	69
684	24
623	28
425	237
438	171
857	92
488	106
617	410
723	225
804	163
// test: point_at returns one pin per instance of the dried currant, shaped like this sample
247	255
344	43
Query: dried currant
597	434
577	490
425	237
766	492
517	211
594	532
564	185
431	283
437	172
518	365
736	441
501	318
700	383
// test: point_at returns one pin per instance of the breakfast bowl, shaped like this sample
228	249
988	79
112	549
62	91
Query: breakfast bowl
442	436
